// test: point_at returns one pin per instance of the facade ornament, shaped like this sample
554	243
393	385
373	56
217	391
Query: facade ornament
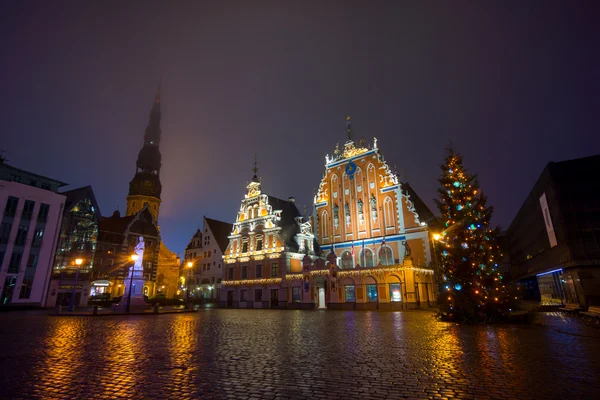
407	251
336	215
373	207
347	210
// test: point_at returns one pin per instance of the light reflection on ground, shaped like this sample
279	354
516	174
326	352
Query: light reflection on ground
300	354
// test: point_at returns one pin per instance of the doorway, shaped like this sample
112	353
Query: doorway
322	298
274	298
230	298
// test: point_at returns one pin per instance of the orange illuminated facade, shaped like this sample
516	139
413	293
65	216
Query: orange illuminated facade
366	217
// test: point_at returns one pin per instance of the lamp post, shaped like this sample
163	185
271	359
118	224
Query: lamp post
134	258
187	291
78	263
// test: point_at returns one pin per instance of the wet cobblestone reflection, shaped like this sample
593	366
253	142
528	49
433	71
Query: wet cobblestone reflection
295	354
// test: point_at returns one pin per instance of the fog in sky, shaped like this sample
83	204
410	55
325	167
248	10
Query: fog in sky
512	84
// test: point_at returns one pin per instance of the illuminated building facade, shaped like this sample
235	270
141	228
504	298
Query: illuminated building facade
205	252
117	239
29	233
78	237
263	262
370	221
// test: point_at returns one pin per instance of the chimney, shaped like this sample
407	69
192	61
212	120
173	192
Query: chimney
291	200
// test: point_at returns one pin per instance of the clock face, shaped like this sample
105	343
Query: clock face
350	168
148	183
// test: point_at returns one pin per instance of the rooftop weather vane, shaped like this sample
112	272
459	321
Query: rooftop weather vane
348	127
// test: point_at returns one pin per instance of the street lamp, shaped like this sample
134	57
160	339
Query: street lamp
134	258
187	292
78	263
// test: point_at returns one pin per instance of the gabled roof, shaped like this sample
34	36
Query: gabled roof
425	214
221	230
289	226
74	196
115	223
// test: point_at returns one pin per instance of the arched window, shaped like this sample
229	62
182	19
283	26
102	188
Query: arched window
367	258
385	256
259	243
245	246
388	206
324	221
347	260
133	204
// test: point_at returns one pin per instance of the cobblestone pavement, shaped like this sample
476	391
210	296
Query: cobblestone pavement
295	354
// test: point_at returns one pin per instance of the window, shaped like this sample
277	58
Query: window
258	244
395	292
43	212
388	212
133	204
26	288
32	261
245	247
21	235
15	262
208	267
244	272
5	229
27	209
367	258
346	260
1	258
11	206
259	271
37	237
209	253
385	256
243	295
257	294
350	293
296	297
371	293
230	272
274	270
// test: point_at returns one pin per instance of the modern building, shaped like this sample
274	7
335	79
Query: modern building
267	247
78	237
377	227
205	251
29	234
554	240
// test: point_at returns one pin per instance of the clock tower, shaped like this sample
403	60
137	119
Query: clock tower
145	187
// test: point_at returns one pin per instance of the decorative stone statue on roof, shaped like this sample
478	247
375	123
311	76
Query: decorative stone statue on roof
407	251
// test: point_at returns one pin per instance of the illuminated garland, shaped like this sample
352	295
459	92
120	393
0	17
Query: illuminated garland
320	272
369	271
266	281
291	277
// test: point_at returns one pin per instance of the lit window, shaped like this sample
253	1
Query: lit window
350	293
395	292
296	294
371	293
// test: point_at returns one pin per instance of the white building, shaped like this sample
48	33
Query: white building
29	232
205	252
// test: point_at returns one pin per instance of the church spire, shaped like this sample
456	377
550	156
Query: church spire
145	187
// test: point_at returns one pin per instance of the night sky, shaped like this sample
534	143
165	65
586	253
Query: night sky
512	84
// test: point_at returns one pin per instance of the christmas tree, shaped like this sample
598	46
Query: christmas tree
471	287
